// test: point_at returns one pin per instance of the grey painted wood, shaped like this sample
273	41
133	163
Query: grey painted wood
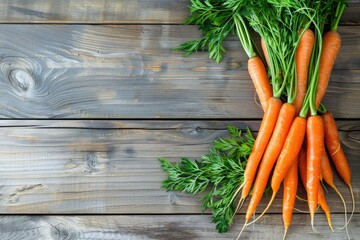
164	227
351	15
84	71
111	11
93	11
96	166
129	71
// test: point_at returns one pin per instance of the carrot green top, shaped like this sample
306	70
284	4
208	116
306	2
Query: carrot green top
217	19
278	22
325	11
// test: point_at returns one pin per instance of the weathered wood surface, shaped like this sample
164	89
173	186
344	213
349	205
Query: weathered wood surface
53	166
127	71
165	227
112	11
93	11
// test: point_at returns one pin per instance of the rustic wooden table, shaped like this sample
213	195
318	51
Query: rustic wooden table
91	94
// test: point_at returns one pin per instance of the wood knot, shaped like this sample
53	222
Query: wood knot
21	79
63	231
92	162
172	198
24	76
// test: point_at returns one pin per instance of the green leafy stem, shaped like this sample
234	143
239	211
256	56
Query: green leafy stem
218	174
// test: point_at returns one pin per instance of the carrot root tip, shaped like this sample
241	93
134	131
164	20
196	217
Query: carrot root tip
301	199
300	211
353	208
312	224
242	229
285	232
267	207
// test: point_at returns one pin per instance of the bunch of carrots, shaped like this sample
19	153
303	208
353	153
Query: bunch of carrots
300	43
292	136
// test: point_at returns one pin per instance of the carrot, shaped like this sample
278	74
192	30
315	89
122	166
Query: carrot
321	175
266	55
329	179
330	49
258	74
326	171
302	59
332	142
262	139
303	176
283	124
289	152
324	206
287	157
302	165
315	149
289	197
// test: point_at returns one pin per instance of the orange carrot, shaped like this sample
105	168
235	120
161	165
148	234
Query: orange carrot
330	49
266	55
287	157
332	142
258	74
262	139
329	179
321	174
328	176
333	145
302	164
289	152
302	59
283	124
290	189
315	149
303	176
302	167
324	206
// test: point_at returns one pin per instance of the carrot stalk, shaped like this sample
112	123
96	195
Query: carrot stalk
264	49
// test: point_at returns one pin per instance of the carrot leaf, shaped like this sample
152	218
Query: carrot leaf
217	175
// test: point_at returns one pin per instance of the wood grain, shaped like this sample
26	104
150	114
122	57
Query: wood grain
93	11
83	71
164	227
58	66
112	11
101	166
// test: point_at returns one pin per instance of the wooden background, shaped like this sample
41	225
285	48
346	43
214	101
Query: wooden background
91	94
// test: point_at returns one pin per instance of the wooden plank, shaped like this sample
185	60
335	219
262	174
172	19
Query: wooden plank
351	15
93	11
49	166
82	71
165	227
112	11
